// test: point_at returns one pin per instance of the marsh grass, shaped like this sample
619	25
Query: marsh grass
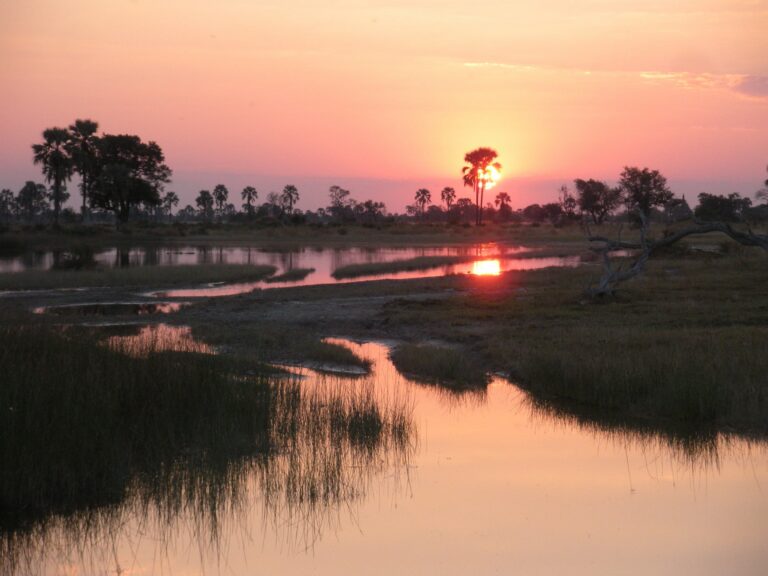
293	275
334	353
448	367
139	276
91	435
408	265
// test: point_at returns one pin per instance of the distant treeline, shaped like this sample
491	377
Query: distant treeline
122	177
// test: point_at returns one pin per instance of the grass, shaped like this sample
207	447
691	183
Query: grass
139	276
85	428
293	275
410	264
333	353
448	367
683	343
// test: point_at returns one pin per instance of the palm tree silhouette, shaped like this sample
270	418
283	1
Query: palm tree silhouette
56	162
220	195
170	199
249	194
82	143
289	197
423	197
448	195
475	175
502	199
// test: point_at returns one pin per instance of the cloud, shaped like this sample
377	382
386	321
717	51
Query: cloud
754	86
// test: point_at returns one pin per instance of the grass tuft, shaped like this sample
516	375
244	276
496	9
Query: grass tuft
435	365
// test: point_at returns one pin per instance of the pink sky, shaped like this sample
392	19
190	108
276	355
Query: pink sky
384	97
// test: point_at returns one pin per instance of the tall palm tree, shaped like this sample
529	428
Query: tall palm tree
220	195
289	197
82	147
249	194
423	197
56	162
476	175
448	195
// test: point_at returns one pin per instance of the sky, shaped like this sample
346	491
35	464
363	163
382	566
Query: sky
385	97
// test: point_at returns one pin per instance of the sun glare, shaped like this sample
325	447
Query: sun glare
490	176
486	268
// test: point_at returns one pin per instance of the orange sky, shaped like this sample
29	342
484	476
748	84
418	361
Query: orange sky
384	97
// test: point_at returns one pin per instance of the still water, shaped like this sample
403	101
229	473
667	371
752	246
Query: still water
488	484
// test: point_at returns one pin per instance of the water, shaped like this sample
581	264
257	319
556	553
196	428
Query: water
490	484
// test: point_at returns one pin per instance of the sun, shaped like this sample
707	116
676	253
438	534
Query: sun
490	176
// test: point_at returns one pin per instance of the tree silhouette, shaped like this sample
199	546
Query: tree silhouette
475	175
220	195
7	205
597	199
502	200
249	194
82	145
53	155
289	197
643	189
423	197
448	195
131	172
32	200
169	200
204	203
568	203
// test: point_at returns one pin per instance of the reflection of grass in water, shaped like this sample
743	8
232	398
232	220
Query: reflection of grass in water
411	264
293	275
698	448
91	438
448	367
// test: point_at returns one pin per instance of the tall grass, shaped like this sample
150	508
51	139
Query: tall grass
448	367
91	436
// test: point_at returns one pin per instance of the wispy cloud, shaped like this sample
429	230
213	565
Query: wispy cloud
754	86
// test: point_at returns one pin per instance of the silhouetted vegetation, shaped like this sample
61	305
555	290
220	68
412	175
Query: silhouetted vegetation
449	367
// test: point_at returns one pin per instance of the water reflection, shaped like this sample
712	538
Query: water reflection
486	268
499	482
157	338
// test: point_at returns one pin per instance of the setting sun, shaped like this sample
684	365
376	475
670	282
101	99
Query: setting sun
486	268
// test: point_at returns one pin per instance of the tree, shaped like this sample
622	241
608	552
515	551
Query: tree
479	175
82	146
448	196
597	199
553	212
340	202
289	197
502	200
729	208
643	189
53	154
249	194
423	197
131	173
220	195
762	194
7	205
169	200
568	203
32	200
204	203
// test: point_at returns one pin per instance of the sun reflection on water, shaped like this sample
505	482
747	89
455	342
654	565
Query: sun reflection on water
486	268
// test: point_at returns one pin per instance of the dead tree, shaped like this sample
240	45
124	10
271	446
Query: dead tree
613	274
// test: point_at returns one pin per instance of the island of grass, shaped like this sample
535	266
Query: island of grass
406	265
447	367
293	275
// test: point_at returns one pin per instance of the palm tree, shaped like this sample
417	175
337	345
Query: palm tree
478	174
170	199
502	200
204	202
249	194
220	195
56	161
423	197
289	197
448	195
82	144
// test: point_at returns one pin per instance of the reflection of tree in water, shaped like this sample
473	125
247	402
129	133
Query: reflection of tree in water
303	456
